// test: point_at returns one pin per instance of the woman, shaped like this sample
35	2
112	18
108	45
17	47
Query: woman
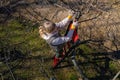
50	32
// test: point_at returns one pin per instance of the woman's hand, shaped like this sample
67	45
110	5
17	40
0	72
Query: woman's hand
71	14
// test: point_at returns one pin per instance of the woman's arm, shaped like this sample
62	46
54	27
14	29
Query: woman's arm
68	37
64	22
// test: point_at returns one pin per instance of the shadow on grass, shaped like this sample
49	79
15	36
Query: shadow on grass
96	66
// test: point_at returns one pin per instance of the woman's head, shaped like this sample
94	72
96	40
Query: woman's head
49	26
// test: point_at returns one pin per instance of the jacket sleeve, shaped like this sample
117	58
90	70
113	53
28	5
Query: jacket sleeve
64	22
60	40
68	37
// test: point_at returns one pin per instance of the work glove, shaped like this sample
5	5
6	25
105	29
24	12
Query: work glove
74	24
71	14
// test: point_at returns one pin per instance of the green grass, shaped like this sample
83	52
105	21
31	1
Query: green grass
86	49
73	77
14	32
114	66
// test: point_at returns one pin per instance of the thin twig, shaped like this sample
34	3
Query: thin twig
91	18
1	76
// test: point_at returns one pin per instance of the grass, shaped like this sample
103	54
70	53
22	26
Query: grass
14	32
86	49
114	66
73	77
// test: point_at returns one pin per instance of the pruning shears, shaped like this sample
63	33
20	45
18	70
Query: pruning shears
77	15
